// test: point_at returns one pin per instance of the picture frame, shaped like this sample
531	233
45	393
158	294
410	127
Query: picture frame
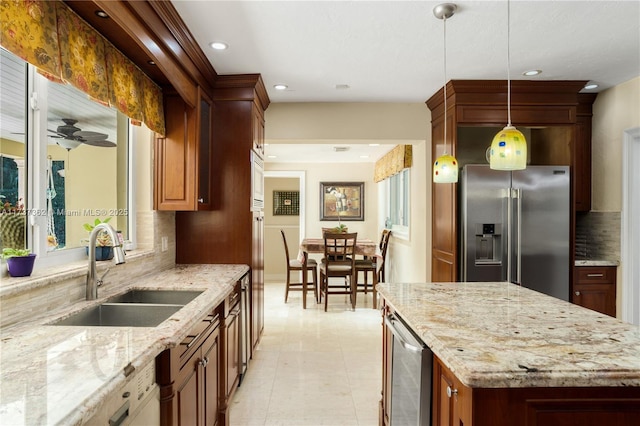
341	201
286	203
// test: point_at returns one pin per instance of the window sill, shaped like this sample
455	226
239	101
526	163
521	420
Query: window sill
51	275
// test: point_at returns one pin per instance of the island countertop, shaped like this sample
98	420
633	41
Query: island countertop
61	374
501	335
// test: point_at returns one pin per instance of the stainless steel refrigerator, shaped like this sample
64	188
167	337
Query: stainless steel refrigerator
515	227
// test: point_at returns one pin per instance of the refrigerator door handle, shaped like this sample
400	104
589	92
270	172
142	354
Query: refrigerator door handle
509	227
518	196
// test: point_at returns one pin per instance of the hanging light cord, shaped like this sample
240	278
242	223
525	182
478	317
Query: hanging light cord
508	63
444	23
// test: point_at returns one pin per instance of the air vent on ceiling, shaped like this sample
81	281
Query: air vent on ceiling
341	148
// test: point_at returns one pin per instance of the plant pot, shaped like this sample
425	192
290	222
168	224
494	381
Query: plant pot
21	266
102	252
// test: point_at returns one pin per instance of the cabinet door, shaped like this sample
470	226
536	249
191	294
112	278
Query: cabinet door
257	279
205	138
175	157
183	170
258	130
188	393
211	372
232	343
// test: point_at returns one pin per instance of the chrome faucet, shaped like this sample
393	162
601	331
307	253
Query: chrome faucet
118	252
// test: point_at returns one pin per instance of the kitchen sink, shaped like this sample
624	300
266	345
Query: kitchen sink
164	297
121	315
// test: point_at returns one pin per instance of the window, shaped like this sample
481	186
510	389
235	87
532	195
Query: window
65	157
398	206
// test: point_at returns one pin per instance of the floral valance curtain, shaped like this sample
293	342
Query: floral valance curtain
52	37
394	161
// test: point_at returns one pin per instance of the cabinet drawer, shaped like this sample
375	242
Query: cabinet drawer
595	274
196	336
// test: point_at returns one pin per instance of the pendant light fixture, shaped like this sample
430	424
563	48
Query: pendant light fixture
445	168
509	147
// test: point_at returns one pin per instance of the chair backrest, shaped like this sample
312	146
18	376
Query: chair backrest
340	248
384	242
286	248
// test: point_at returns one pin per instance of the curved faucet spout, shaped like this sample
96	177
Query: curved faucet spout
92	282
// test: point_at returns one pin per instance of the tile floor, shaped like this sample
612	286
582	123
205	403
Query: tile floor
313	367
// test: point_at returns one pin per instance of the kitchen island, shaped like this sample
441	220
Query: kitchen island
54	374
512	356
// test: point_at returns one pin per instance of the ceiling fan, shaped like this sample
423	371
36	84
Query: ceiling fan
71	136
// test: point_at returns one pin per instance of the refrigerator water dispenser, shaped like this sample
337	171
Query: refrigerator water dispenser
488	244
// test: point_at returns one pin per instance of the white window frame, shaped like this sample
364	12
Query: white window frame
400	231
36	178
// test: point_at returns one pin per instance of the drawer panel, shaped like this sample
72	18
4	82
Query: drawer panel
595	274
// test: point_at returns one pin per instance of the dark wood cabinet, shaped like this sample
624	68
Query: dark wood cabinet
189	376
556	116
594	287
387	354
183	172
232	232
451	405
231	360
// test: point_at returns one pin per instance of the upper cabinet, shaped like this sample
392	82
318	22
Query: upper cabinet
183	156
553	115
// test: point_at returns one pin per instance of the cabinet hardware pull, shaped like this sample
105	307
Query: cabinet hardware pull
595	275
451	392
200	200
201	363
577	293
193	339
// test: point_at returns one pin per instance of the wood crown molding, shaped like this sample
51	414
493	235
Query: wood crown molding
241	87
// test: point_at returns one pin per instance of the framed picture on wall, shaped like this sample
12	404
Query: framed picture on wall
341	199
286	203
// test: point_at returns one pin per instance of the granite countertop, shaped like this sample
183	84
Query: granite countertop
494	335
60	374
596	262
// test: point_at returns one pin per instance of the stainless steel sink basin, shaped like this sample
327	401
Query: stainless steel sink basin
121	315
170	297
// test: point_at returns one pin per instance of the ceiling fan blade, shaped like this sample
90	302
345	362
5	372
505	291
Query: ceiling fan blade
59	135
85	134
100	143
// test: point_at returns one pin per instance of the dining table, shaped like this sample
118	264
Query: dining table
364	247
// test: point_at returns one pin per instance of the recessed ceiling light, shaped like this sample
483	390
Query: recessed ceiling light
374	144
342	86
150	62
272	156
218	45
532	73
102	14
364	156
591	86
280	86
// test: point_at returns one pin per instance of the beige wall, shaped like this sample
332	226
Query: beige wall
614	111
390	123
275	267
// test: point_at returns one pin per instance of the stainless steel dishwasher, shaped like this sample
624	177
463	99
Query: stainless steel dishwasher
411	372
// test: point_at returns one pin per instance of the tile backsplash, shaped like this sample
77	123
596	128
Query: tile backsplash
598	236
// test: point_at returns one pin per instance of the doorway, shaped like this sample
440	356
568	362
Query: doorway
276	184
630	228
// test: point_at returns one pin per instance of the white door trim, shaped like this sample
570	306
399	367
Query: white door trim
630	229
301	177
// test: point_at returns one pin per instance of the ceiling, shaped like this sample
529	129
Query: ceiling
392	51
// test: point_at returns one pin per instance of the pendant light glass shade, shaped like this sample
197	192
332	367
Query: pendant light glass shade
508	150
445	169
509	146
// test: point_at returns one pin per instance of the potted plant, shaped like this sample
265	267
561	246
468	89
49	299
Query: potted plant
19	261
104	245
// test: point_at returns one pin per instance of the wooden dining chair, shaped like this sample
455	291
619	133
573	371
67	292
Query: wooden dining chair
372	264
294	265
339	261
